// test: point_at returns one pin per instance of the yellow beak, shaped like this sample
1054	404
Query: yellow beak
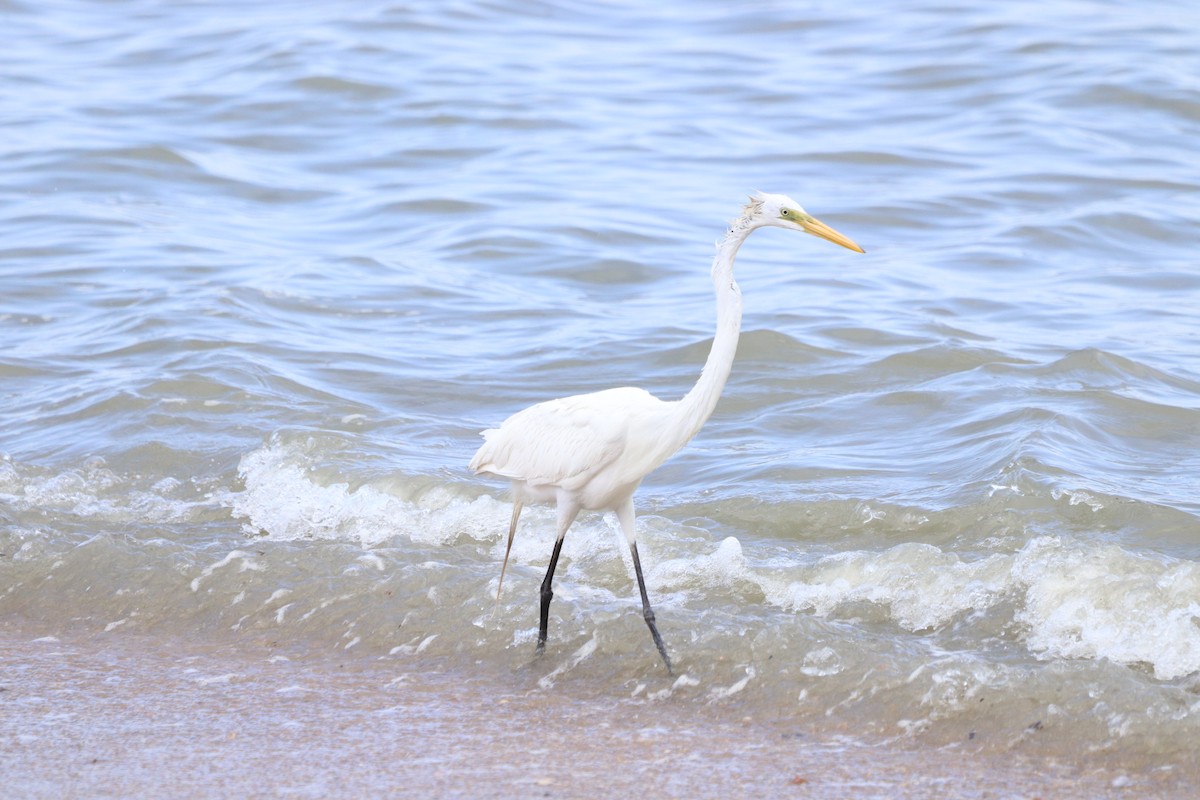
817	228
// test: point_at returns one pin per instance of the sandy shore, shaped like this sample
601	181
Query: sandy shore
126	715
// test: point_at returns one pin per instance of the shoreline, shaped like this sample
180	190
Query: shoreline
125	714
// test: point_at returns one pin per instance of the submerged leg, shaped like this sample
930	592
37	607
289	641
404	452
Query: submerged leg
512	529
566	515
625	516
547	594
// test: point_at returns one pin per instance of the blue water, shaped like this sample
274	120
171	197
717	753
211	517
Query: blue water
266	271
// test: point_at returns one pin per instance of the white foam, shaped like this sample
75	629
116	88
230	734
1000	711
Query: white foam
722	692
955	684
1073	598
684	681
373	561
283	499
821	663
414	646
247	563
588	648
228	677
725	567
93	491
1105	602
922	586
1077	497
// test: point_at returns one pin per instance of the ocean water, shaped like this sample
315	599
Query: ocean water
266	272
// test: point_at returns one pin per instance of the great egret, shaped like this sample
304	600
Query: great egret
591	451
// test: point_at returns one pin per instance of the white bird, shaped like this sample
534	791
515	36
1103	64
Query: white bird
591	451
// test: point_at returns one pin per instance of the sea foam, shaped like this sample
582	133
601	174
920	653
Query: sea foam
1068	598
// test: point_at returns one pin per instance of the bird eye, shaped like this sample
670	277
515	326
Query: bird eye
785	213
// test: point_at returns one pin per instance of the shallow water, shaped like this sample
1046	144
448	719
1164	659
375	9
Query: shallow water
266	273
122	716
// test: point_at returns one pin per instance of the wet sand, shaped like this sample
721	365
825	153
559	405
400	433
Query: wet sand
129	715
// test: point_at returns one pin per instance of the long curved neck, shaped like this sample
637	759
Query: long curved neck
697	406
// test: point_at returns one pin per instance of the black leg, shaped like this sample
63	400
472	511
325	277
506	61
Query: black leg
547	594
647	612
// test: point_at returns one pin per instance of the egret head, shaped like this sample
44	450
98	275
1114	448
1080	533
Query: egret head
782	211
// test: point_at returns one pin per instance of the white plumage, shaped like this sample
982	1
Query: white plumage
591	451
589	444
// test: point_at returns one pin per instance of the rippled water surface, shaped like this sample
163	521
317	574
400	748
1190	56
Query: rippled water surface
266	271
